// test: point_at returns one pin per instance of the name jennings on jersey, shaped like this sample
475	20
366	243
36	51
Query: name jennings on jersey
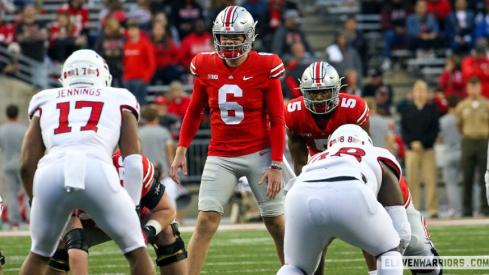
78	91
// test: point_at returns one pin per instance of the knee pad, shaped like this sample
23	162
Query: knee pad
168	254
290	270
59	261
75	239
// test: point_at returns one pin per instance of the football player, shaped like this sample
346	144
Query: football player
160	230
319	208
242	89
312	118
80	125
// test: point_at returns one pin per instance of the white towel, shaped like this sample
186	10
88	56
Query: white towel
334	53
75	170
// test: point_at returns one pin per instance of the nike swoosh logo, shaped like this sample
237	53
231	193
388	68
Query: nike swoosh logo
263	153
246	78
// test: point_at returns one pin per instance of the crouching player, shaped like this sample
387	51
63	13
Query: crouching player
157	216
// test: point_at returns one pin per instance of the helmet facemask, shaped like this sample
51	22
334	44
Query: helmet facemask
330	95
234	51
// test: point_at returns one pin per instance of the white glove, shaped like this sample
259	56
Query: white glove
486	178
401	224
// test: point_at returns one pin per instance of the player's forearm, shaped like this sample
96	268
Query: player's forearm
31	152
277	137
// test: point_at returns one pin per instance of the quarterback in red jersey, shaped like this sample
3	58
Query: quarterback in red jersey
244	94
157	214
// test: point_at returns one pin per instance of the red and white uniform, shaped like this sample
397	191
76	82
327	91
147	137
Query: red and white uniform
320	210
80	129
79	17
246	105
301	122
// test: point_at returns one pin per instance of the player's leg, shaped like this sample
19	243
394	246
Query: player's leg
307	229
109	205
217	187
51	208
170	251
271	210
376	236
420	244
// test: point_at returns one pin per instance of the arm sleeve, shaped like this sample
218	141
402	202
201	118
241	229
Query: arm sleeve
191	121
275	107
133	176
150	55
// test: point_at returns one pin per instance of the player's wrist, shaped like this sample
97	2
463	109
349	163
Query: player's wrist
275	166
181	150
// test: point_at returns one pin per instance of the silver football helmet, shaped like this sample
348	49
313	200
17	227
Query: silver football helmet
349	134
320	77
234	20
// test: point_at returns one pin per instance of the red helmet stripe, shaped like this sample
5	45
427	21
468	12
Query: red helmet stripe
229	15
317	73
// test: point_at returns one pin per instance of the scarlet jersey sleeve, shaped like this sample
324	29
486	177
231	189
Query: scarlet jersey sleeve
148	171
277	68
195	65
356	108
35	106
128	102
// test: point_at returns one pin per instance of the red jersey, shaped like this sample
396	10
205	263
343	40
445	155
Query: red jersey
79	17
6	34
55	32
179	106
299	121
246	105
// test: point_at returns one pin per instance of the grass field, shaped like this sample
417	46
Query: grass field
252	252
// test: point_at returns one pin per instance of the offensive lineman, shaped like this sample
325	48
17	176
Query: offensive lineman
311	119
157	214
319	208
80	125
242	89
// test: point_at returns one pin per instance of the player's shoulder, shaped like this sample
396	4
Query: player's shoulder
387	158
293	113
199	61
272	62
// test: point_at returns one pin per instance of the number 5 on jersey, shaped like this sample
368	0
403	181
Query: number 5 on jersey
64	111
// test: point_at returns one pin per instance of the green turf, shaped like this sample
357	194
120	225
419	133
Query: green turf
252	252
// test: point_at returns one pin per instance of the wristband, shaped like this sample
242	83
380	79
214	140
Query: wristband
275	166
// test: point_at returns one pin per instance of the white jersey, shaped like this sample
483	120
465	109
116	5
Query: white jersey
84	119
361	162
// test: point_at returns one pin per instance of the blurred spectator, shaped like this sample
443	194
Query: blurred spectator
110	45
289	33
6	33
32	36
440	10
482	25
272	20
161	18
452	167
422	30
419	129
79	15
477	65
352	82
384	95
438	97
142	13
200	40
169	121
112	9
179	100
158	145
459	27
379	126
257	8
10	6
473	123
11	66
371	6
342	56
393	21
295	66
356	39
185	13
11	135
139	62
64	38
451	80
166	54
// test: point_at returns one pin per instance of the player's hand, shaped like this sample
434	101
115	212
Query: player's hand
274	178
486	178
179	161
